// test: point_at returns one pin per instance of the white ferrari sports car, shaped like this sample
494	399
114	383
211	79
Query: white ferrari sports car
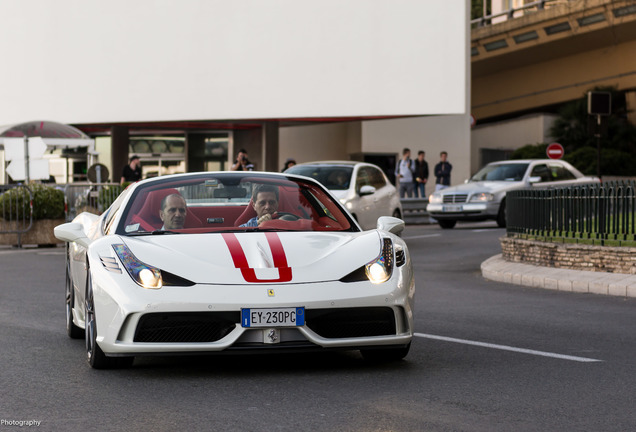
234	262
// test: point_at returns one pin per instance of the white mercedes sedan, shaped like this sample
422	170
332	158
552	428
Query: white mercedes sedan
234	262
484	195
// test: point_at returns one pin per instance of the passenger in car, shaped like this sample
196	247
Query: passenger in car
173	212
265	203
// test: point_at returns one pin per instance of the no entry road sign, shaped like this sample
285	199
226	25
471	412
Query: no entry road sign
555	151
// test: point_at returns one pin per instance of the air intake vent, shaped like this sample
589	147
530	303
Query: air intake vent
351	322
400	257
184	327
110	264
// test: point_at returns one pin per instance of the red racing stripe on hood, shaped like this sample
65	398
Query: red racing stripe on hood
240	260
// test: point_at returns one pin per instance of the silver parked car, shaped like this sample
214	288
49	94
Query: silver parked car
484	195
361	187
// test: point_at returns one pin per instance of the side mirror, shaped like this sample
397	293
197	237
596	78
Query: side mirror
71	232
535	179
366	190
391	224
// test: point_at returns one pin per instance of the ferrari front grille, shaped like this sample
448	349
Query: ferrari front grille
186	327
351	322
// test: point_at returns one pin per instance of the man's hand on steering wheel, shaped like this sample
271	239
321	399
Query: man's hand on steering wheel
286	216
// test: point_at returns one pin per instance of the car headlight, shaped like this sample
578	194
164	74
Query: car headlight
435	199
142	273
482	197
380	269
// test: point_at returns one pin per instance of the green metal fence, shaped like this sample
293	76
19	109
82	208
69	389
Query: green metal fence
601	213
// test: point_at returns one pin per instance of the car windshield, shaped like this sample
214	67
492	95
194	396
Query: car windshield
222	202
501	172
332	177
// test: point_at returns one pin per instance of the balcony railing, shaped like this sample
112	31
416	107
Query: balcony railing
510	13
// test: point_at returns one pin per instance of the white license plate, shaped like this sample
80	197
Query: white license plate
452	208
273	317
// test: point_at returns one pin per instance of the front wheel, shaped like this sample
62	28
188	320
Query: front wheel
94	354
385	355
447	224
73	331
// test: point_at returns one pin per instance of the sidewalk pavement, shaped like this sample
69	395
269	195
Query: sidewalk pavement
616	284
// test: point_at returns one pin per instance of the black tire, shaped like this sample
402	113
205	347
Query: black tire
385	355
73	331
447	224
94	354
501	216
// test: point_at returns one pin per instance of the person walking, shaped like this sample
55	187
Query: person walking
404	174
421	175
442	172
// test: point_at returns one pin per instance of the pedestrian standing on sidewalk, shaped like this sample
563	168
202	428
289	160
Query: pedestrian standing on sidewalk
421	175
442	172
404	174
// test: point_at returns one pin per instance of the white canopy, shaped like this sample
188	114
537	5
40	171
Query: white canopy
54	134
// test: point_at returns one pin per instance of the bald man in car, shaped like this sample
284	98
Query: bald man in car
173	212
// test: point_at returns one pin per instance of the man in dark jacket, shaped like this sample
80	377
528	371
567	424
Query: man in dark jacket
421	175
442	172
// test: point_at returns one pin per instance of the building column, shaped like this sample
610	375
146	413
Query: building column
120	141
194	152
270	146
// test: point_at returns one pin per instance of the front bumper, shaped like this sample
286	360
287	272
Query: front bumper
463	211
120	311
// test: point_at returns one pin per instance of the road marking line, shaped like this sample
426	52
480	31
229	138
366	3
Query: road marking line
509	348
421	236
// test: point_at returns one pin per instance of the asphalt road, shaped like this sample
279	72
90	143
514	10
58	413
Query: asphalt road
487	357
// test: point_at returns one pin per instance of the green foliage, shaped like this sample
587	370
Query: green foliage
613	162
48	203
477	9
530	151
618	137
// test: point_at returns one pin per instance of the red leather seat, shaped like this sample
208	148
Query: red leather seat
148	217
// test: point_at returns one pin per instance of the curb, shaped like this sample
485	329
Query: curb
615	284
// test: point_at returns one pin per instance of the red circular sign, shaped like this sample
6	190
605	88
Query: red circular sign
555	151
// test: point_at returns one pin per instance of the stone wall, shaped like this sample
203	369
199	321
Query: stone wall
570	256
41	233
